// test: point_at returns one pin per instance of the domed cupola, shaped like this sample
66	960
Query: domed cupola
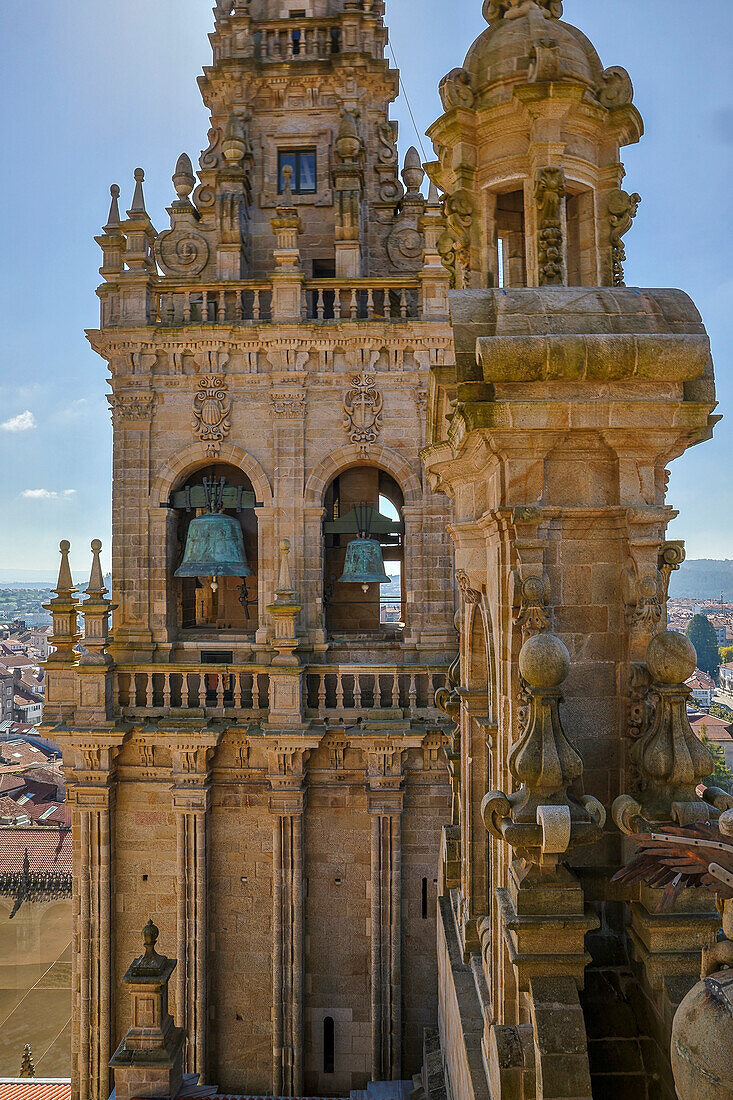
528	152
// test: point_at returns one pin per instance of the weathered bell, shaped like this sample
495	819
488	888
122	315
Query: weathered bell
364	563
214	548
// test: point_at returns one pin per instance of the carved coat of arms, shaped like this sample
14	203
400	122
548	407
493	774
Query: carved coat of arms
211	408
363	406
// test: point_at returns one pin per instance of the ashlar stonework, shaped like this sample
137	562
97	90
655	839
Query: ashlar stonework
298	777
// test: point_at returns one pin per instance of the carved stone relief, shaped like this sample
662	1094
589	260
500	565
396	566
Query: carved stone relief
363	406
212	406
549	190
622	209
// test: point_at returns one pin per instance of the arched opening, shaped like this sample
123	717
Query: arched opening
351	607
230	603
329	1045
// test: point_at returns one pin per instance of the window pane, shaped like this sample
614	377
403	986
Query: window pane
286	160
307	176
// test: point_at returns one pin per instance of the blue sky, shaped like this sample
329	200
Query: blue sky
93	88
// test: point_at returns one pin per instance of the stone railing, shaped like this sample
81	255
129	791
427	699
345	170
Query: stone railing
290	39
249	302
386	299
213	304
354	691
152	690
158	690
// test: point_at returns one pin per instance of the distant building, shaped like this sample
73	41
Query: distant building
7	680
717	731
703	687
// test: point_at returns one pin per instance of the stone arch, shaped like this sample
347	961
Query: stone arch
345	457
195	455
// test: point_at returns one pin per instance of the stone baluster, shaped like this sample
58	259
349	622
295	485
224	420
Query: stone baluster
286	679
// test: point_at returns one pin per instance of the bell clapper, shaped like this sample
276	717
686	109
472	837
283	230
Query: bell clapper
214	584
365	588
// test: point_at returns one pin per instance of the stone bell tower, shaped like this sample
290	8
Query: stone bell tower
254	755
570	397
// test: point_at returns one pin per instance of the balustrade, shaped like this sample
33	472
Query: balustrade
342	690
363	300
157	690
160	690
233	303
214	304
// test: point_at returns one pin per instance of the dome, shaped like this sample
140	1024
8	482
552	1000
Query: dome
504	50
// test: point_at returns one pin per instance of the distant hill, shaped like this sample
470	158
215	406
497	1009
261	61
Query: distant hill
703	579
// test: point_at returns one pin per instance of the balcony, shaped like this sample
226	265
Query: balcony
324	301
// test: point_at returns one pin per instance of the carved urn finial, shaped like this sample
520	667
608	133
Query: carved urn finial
670	759
184	179
543	820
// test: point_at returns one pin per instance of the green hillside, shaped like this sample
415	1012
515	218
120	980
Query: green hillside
703	579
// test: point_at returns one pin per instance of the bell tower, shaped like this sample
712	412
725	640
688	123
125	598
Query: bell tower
528	155
255	754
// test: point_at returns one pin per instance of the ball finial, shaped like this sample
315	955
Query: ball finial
671	658
139	175
544	661
64	546
96	546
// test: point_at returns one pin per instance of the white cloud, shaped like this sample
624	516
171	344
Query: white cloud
48	494
23	422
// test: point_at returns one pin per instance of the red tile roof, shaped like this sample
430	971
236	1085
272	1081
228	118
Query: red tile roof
35	1088
715	728
48	850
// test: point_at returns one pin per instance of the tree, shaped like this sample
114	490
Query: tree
726	654
701	633
719	710
722	775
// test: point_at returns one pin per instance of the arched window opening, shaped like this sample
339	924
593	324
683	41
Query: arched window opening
205	603
511	260
329	1045
364	497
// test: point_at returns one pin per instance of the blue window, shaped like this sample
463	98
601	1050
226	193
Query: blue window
302	164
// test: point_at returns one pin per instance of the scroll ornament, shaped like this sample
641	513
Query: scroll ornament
622	209
212	407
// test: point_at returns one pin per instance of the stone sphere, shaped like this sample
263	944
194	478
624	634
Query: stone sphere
702	1040
544	661
671	658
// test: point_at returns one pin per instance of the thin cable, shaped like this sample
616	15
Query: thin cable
407	98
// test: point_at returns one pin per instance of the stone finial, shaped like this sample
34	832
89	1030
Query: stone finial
234	142
348	143
542	820
138	198
285	584
96	611
27	1065
413	172
434	195
496	10
183	178
287	194
64	584
113	218
670	759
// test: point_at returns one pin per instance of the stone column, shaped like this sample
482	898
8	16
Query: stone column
288	758
385	799
92	801
191	801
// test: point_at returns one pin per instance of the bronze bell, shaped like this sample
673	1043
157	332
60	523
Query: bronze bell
214	548
364	563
